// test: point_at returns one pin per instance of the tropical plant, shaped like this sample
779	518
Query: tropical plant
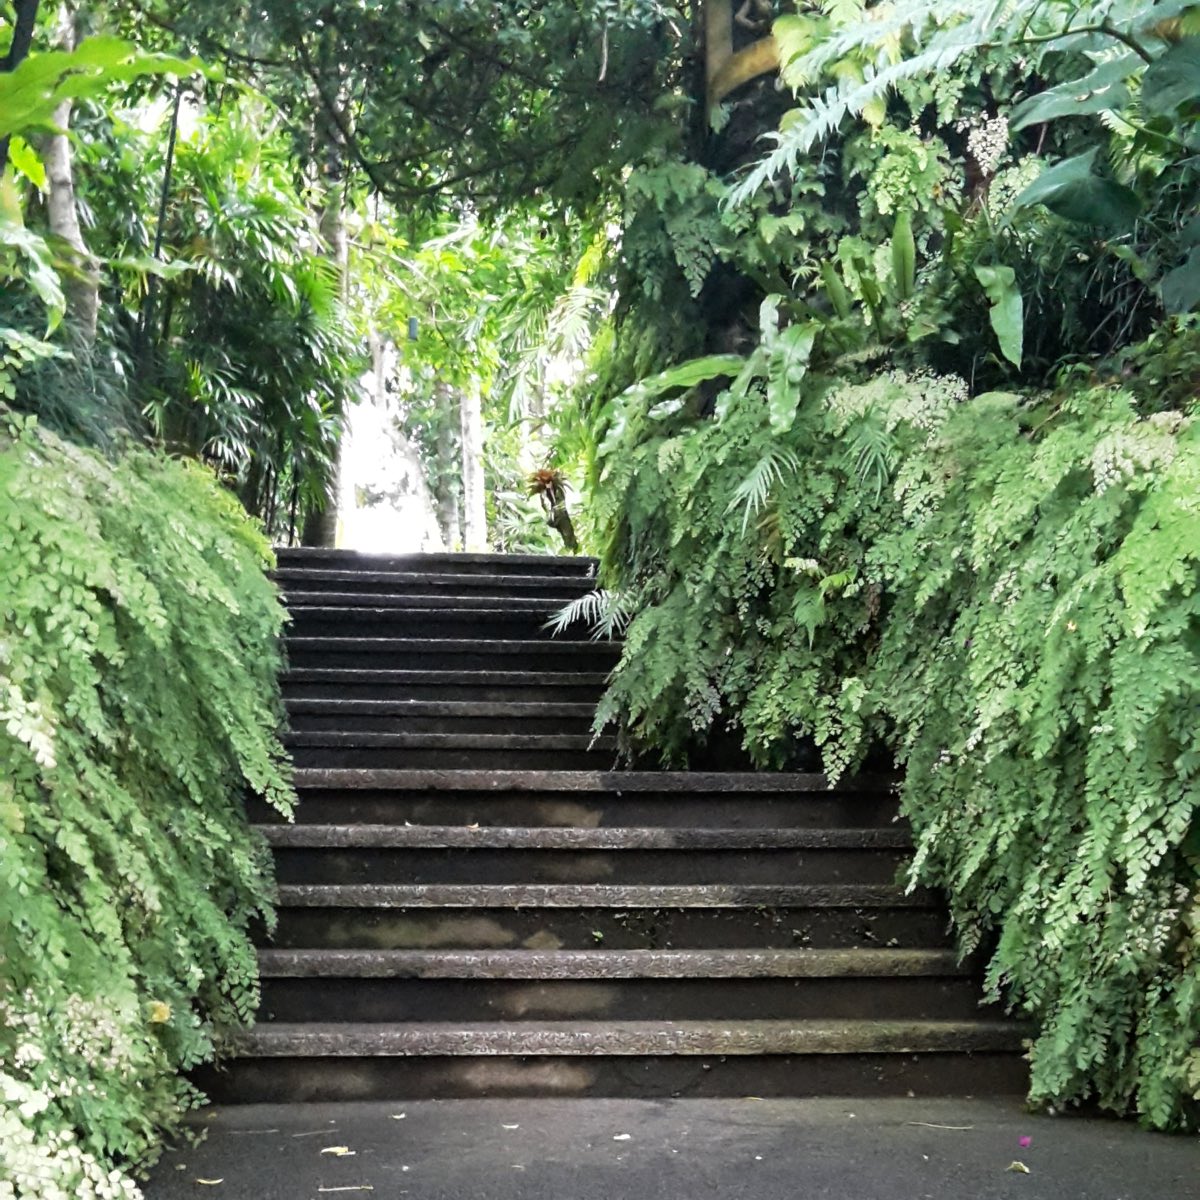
139	656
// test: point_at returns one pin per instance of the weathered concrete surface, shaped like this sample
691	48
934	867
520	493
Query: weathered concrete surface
674	1150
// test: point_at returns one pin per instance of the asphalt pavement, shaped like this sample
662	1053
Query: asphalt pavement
672	1150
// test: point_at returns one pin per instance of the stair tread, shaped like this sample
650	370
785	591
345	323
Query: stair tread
323	604
333	574
609	964
420	562
479	678
469	779
478	741
595	895
455	645
436	837
628	1038
332	706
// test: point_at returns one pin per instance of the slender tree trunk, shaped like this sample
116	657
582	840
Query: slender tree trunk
321	529
446	481
475	515
82	285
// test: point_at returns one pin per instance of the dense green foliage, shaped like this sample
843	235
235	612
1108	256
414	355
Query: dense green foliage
138	697
929	488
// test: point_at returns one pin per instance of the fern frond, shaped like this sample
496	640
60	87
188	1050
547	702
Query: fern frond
606	612
753	492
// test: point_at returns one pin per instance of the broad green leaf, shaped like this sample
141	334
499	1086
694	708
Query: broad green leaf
25	255
30	94
25	161
1101	89
1072	190
1173	79
1007	314
786	371
1180	288
904	256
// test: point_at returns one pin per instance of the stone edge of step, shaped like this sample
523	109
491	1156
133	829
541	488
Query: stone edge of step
448	741
611	964
332	707
554	895
353	1040
489	645
433	678
613	782
450	837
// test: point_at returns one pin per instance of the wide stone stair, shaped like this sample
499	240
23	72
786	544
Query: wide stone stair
474	901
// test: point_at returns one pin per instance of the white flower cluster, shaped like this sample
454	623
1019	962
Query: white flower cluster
1122	454
40	1158
987	141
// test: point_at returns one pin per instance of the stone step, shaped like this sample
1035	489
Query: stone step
623	928
572	917
335	999
331	714
478	624
450	750
610	964
561	588
529	687
545	565
348	1040
586	799
653	1058
419	654
616	896
338	1079
473	985
366	985
351	855
520	838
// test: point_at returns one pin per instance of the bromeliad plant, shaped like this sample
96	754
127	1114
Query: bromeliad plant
138	700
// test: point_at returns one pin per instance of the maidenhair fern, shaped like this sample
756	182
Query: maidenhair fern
139	657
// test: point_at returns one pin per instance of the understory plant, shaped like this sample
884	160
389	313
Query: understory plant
138	702
894	452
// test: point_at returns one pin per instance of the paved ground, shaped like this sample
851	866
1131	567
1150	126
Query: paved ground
672	1150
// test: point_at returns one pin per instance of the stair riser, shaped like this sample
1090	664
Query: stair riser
590	810
371	623
353	722
404	1000
343	866
298	1080
535	566
587	656
452	758
594	928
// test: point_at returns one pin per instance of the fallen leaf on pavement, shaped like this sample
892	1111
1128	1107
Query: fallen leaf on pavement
338	1151
1019	1167
210	1182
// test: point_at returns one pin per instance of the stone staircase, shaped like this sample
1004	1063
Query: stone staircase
474	902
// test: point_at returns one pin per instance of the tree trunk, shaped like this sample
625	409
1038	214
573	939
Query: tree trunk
321	528
446	480
475	514
82	285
